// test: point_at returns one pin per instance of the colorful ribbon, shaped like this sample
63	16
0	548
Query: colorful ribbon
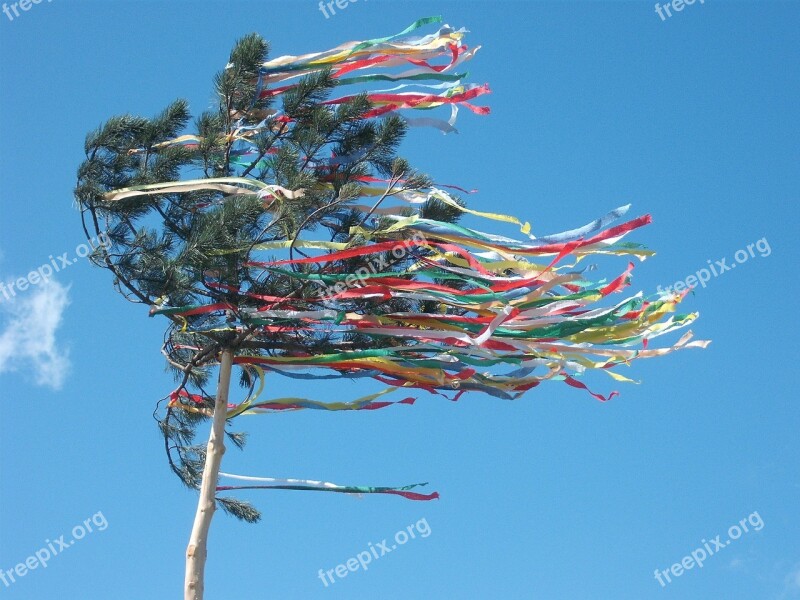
485	312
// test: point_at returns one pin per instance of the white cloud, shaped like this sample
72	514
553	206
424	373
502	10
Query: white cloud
28	334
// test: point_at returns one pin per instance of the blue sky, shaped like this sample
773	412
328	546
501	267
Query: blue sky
693	119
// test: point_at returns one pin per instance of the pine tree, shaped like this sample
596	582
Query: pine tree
167	249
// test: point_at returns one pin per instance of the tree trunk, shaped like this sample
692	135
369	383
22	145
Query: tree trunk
206	505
